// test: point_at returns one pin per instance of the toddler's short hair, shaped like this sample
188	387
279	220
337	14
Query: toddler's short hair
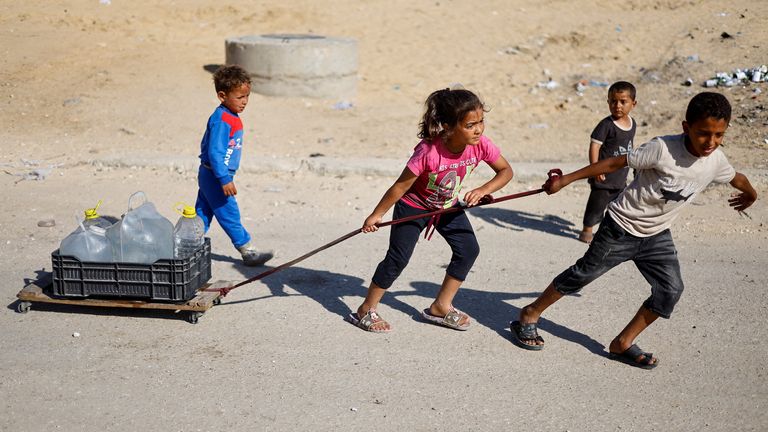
708	104
623	86
229	77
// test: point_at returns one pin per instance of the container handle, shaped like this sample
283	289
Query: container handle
131	200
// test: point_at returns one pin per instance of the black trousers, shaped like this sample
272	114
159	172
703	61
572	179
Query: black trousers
596	204
453	227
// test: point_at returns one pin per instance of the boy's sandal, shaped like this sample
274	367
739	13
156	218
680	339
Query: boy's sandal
631	356
368	321
524	334
452	319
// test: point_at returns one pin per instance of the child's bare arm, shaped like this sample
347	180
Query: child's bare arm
604	166
743	200
594	156
394	193
503	175
229	189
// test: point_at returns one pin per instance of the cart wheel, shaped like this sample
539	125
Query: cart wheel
194	317
217	301
23	306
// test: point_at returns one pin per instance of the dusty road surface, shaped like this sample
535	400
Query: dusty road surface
103	99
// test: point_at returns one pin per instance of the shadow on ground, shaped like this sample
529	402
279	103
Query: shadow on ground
329	289
519	221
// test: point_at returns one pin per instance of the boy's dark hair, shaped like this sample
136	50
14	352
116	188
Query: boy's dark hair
446	106
622	86
230	77
708	104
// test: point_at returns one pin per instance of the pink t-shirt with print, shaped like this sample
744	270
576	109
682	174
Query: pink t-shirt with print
441	174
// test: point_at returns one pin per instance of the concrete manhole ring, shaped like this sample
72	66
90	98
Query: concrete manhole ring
297	64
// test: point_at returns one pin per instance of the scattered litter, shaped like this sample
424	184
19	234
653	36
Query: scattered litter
75	335
688	82
30	162
618	28
726	35
273	189
343	105
693	58
738	76
549	85
46	223
353	409
538	126
105	2
325	140
312	155
582	85
36	174
510	51
71	101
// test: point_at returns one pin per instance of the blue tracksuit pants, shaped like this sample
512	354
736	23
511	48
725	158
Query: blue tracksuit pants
211	202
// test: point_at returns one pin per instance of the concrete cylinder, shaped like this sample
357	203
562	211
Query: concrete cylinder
297	65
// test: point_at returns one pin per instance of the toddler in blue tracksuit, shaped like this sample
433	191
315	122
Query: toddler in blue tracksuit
220	152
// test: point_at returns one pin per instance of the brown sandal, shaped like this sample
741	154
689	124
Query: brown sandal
367	321
451	320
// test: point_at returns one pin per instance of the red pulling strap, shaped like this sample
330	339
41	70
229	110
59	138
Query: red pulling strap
432	224
435	215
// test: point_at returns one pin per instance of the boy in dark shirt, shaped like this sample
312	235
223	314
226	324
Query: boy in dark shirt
612	137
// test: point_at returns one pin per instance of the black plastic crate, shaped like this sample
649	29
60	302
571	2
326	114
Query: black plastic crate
165	279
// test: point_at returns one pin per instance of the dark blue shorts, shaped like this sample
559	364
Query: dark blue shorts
654	256
596	204
455	229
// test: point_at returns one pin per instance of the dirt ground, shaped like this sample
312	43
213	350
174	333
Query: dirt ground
101	99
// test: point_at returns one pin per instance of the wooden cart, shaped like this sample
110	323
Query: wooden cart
39	291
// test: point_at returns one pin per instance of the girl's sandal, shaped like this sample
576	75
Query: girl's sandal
368	321
452	319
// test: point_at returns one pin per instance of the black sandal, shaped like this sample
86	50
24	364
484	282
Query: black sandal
523	333
631	355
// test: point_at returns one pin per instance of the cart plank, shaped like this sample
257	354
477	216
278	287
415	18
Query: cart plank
205	298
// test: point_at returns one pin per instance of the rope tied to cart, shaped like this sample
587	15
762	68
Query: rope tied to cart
433	215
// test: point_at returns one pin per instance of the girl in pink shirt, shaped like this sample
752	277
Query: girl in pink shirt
452	145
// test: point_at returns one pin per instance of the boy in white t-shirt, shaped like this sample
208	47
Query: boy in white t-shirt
671	170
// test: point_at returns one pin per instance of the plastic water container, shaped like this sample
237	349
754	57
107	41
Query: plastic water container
88	244
188	232
92	218
143	235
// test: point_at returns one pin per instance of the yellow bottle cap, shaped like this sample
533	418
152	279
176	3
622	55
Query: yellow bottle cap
186	210
189	212
91	213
